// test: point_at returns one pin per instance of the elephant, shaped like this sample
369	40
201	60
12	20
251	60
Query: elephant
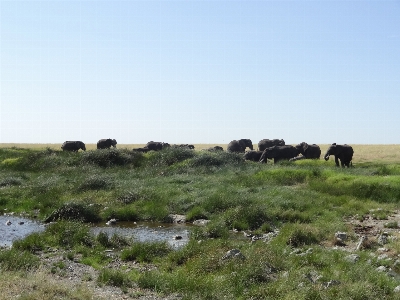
266	143
155	146
253	155
215	148
308	151
344	153
106	143
73	146
184	146
239	145
279	153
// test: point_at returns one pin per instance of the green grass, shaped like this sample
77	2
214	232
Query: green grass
307	201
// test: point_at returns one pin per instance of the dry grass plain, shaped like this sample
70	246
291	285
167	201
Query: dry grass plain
389	153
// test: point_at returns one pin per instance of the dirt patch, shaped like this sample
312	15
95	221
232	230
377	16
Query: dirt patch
372	226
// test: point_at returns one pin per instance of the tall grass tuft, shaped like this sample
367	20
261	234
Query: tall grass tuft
10	181
113	278
15	260
168	156
75	211
146	251
112	157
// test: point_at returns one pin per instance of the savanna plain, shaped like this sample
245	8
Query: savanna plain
281	219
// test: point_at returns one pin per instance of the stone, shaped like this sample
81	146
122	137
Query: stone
381	269
234	253
341	236
383	238
353	258
397	289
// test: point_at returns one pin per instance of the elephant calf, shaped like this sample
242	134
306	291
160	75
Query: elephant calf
73	146
253	155
215	148
106	143
344	153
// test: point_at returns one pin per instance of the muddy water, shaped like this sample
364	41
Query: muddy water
18	229
177	235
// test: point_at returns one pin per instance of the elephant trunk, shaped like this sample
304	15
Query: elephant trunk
326	156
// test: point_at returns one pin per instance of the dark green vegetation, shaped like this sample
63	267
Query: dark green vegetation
307	201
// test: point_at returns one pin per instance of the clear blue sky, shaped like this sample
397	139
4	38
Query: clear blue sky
200	71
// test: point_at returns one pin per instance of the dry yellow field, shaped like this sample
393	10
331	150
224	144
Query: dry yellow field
362	153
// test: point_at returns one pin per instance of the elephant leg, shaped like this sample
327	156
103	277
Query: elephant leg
337	161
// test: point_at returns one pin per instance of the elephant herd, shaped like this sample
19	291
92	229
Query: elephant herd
275	149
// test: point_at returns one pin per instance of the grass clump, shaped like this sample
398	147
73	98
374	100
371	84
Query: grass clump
146	251
15	260
115	241
10	181
113	278
97	182
168	156
112	157
75	211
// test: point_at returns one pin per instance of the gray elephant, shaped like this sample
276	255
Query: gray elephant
279	153
239	145
184	146
73	146
253	155
155	146
106	143
344	153
308	151
215	148
266	143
